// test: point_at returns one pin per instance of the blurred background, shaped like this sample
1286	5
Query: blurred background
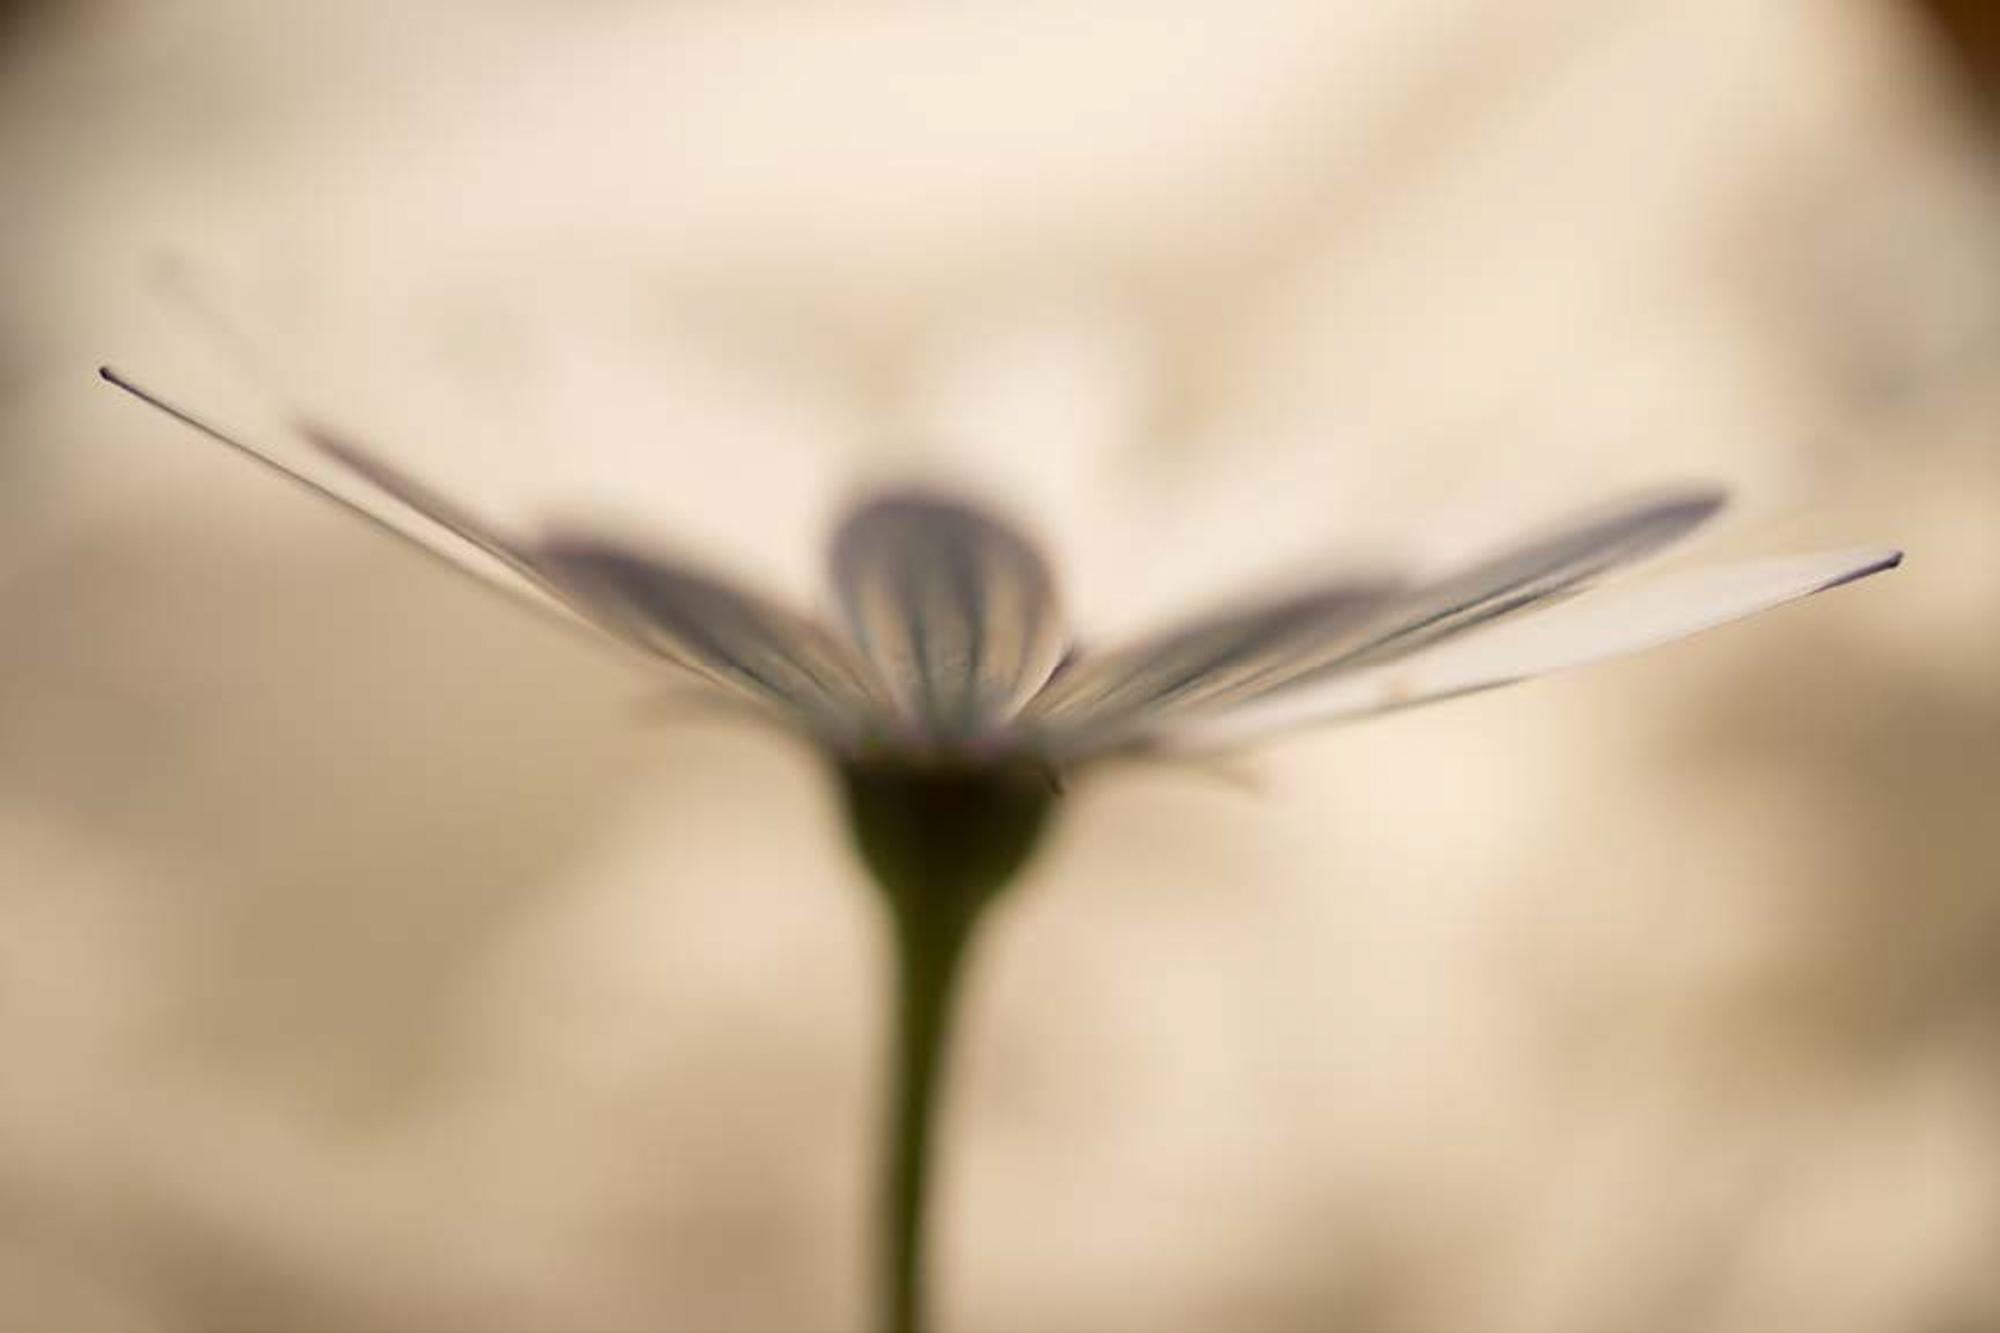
373	958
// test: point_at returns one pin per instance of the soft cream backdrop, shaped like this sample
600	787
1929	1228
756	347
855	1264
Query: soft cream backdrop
371	958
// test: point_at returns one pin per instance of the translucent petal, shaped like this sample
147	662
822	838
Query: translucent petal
1526	575
516	580
955	610
732	637
1604	624
1232	660
1208	659
407	490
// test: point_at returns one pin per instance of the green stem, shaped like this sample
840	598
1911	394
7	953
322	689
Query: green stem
930	947
941	842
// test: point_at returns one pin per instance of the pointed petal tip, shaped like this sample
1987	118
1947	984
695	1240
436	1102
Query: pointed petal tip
117	379
1866	563
1654	519
1683	507
1703	497
1691	502
329	441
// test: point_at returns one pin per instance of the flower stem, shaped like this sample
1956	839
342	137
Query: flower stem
929	949
941	843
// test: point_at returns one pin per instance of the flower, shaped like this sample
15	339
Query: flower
950	649
951	697
950	656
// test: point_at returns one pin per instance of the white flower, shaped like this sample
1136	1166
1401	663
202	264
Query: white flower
949	648
951	698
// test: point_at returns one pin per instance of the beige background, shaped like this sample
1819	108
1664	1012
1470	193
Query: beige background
371	958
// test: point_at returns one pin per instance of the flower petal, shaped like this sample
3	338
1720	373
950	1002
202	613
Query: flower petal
956	611
1603	625
516	580
1232	661
413	494
739	640
1197	663
1533	572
